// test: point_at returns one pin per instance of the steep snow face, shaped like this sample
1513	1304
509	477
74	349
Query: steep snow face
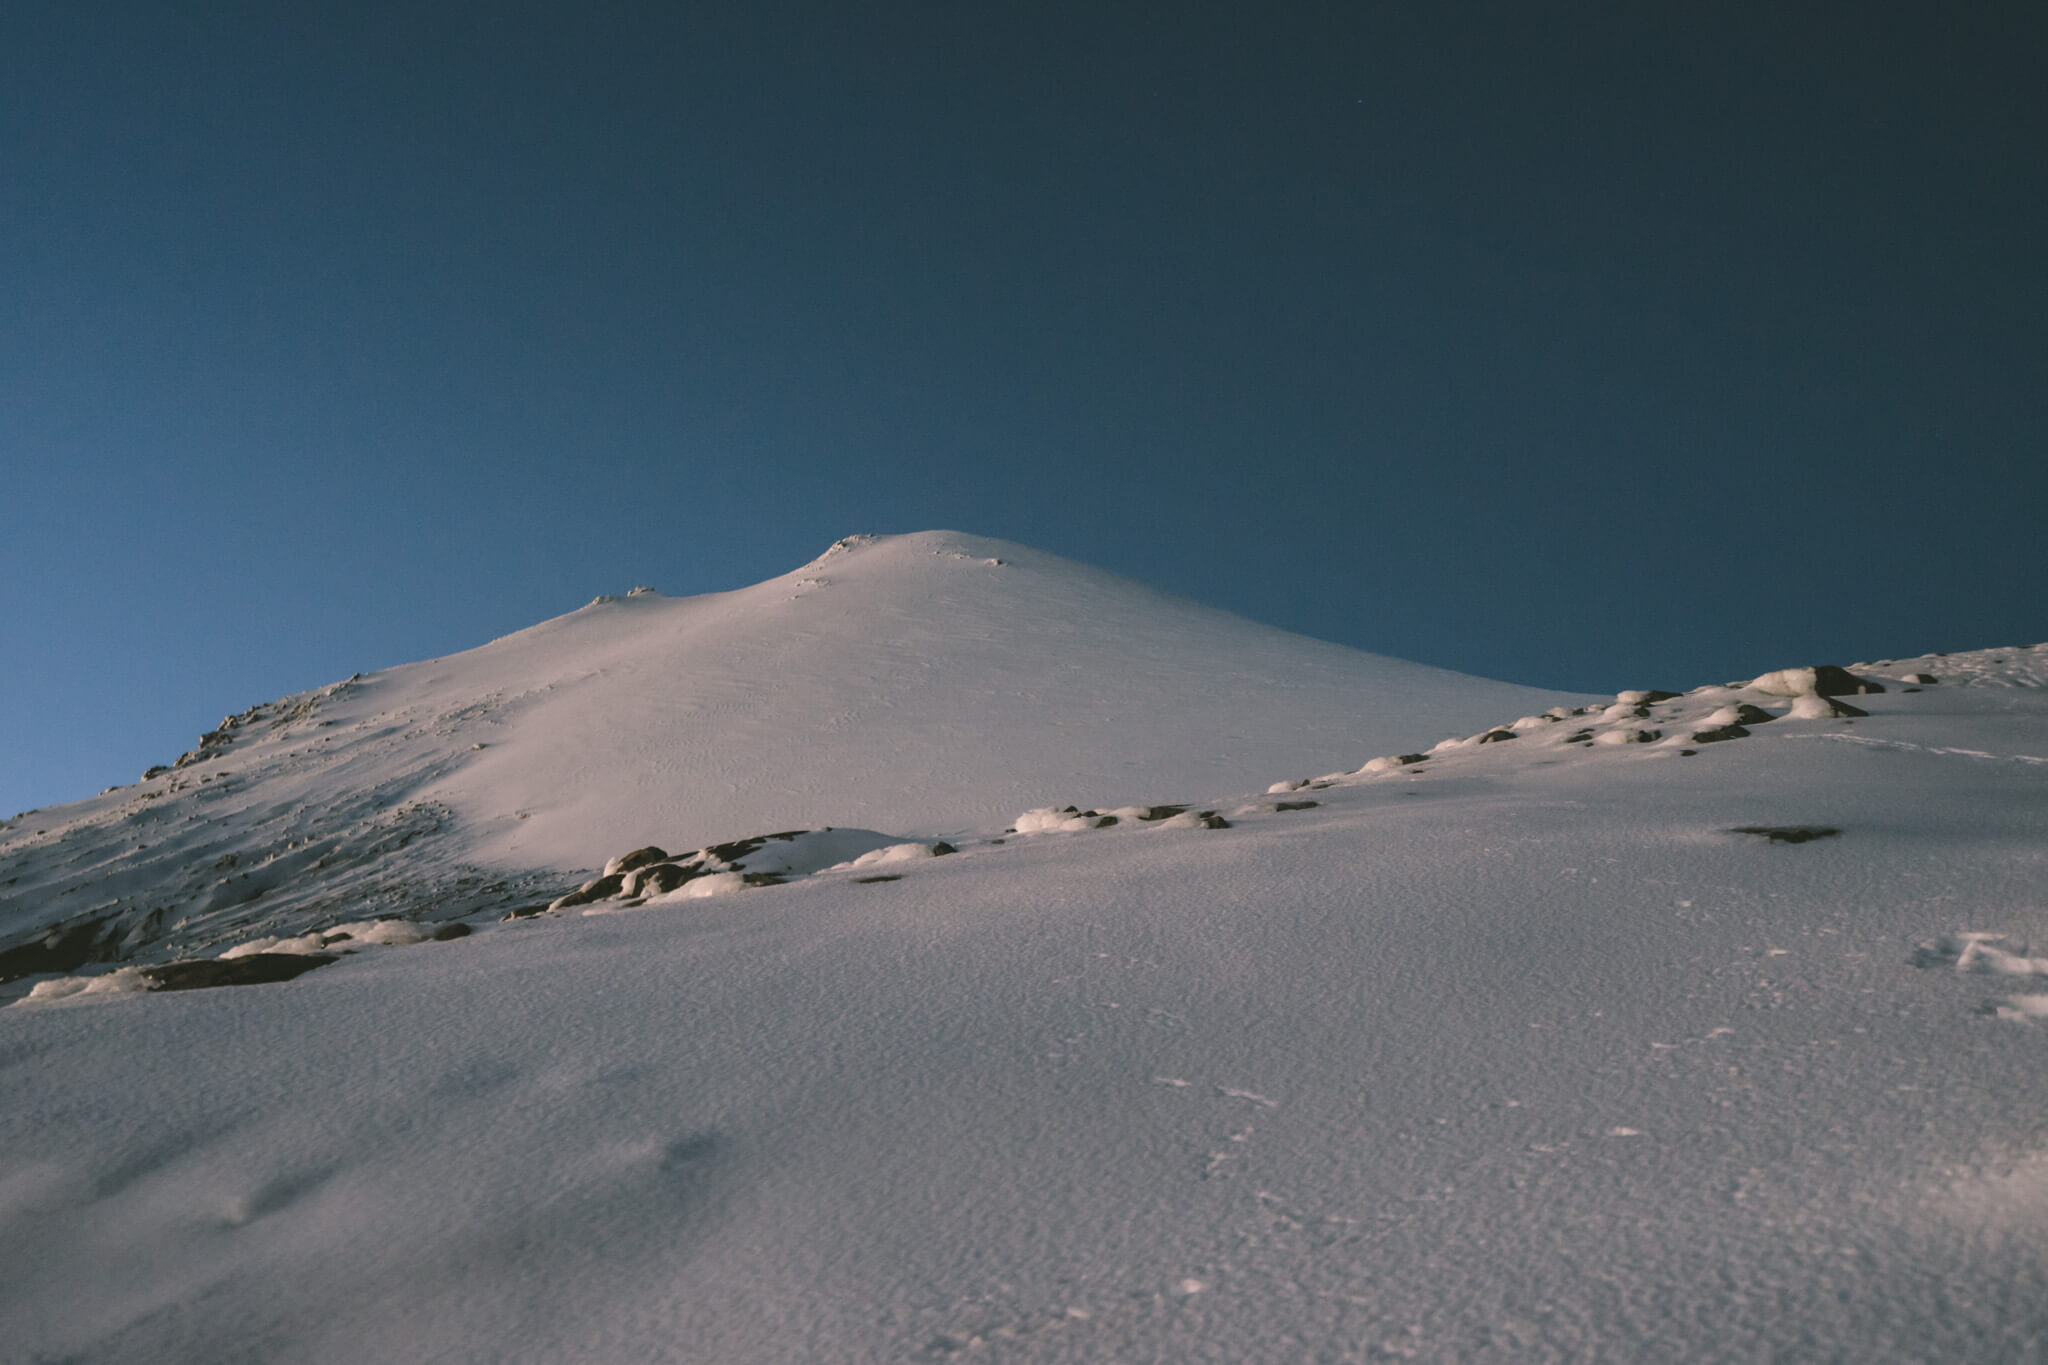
917	684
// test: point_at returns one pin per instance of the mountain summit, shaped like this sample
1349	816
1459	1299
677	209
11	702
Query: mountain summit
920	683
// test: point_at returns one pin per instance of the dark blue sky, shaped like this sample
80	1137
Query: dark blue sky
1585	345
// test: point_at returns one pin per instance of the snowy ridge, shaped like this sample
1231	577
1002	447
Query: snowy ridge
1657	724
923	684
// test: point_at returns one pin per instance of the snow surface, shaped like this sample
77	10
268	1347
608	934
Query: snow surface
1535	1049
920	684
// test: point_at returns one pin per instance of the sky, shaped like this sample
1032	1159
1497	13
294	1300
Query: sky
1580	345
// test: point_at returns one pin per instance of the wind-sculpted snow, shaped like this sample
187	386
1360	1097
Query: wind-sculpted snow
296	817
1522	1046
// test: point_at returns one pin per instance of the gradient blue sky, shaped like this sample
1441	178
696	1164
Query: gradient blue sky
1584	345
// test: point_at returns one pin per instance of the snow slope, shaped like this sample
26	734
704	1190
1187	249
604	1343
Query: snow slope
917	683
1523	1052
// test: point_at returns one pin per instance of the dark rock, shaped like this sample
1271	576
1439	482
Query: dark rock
1688	753
1719	733
1841	709
1160	812
256	969
62	948
1654	695
1582	737
1496	736
449	932
1919	679
661	878
942	848
638	858
886	877
1209	819
764	879
1745	714
1296	805
158	771
1830	681
526	912
1102	821
603	888
740	848
1788	834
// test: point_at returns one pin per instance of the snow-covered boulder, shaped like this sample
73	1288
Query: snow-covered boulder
1060	820
638	858
1815	707
1821	680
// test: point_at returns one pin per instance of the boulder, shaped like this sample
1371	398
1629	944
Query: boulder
658	879
740	848
638	858
62	948
602	888
256	969
1820	680
1813	707
1628	736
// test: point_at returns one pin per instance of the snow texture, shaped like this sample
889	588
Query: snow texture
1536	1049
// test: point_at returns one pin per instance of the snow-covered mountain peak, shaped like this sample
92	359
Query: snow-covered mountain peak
920	684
